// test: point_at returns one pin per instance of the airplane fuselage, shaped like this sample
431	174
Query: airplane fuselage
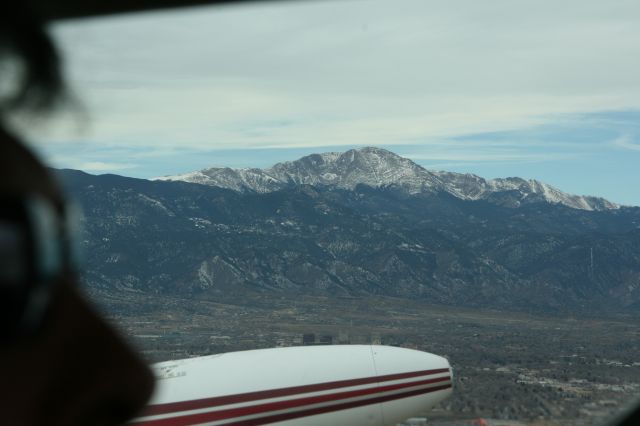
308	385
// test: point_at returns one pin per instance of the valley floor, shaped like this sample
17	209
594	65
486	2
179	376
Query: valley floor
533	369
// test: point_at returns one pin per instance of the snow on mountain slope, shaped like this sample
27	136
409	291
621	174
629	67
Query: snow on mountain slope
378	167
369	166
472	187
257	180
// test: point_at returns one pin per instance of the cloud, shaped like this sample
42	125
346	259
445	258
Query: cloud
489	157
339	73
100	166
626	142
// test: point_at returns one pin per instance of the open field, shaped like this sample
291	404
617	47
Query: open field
534	369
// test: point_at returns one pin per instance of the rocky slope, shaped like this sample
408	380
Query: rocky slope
198	241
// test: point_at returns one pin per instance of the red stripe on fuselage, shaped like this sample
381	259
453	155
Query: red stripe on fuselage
225	414
329	409
275	393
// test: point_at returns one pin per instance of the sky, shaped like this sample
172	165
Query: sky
537	89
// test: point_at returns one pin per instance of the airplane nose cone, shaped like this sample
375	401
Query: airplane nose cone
415	381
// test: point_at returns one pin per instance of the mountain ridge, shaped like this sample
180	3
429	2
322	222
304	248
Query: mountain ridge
204	242
377	167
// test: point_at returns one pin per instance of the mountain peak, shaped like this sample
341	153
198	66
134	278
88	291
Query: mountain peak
365	157
378	167
371	166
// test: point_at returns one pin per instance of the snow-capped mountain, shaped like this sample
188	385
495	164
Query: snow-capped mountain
520	191
370	166
378	167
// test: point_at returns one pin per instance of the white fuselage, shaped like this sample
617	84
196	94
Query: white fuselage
309	385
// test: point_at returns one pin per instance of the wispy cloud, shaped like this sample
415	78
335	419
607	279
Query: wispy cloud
340	73
626	142
101	166
484	157
93	166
